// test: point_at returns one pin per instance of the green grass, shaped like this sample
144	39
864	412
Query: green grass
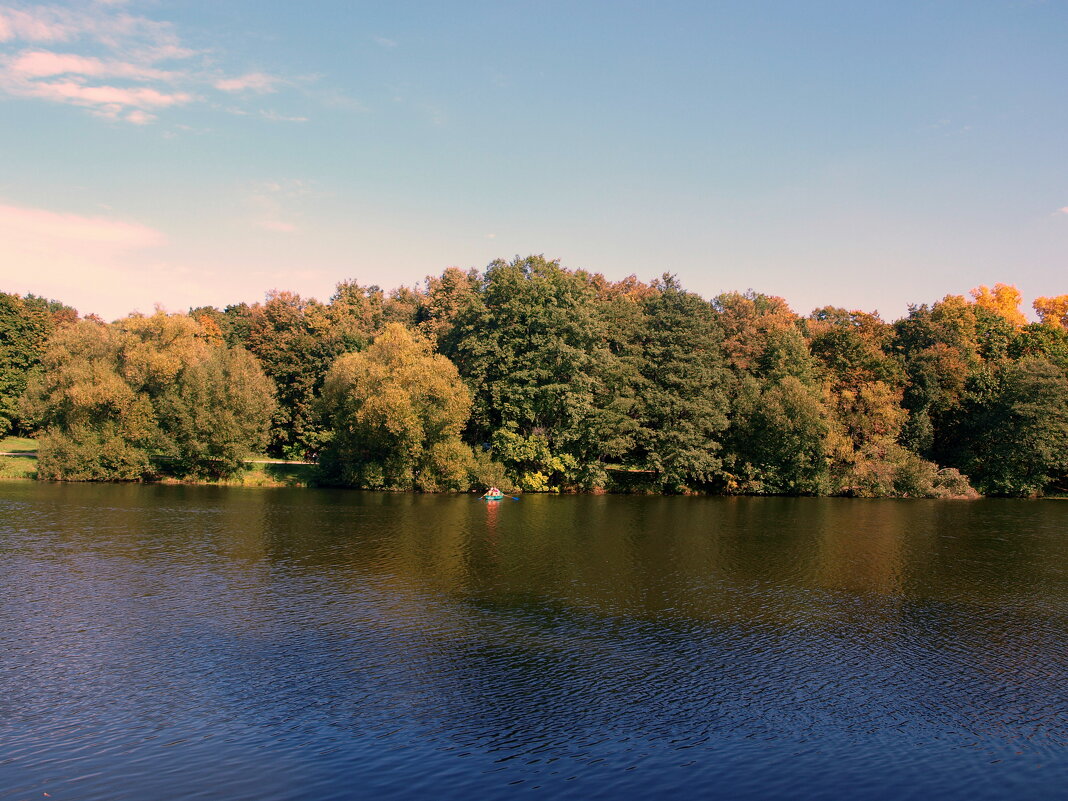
23	465
273	475
18	445
17	467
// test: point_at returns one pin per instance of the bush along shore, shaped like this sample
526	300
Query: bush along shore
533	377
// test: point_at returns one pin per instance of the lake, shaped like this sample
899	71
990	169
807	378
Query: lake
168	642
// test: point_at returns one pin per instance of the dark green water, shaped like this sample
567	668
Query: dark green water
174	642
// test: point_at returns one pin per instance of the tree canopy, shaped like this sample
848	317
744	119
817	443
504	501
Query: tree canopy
546	378
395	412
146	396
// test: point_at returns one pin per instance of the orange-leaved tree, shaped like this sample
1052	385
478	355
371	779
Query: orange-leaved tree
1053	311
1003	299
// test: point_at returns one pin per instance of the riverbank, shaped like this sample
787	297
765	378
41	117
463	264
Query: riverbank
18	462
261	473
18	459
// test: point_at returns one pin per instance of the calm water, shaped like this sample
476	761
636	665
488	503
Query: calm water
174	642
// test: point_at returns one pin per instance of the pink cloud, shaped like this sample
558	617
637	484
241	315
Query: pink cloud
253	81
166	52
107	98
131	48
46	226
136	44
99	262
149	39
39	25
43	64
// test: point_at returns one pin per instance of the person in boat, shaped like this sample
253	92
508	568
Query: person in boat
494	491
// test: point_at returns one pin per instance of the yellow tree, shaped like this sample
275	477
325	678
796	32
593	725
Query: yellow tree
1003	299
146	395
395	412
1053	311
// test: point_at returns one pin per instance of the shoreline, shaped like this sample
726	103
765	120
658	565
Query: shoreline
256	480
265	473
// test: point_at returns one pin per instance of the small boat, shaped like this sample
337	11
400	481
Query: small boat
493	497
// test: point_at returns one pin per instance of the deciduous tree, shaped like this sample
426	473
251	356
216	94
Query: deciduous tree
145	396
395	412
1053	311
1003	300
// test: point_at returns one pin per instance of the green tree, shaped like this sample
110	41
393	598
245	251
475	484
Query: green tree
530	347
1014	437
447	300
96	426
25	325
217	414
145	396
778	439
404	305
681	409
621	312
296	340
354	316
1044	340
952	351
854	347
395	412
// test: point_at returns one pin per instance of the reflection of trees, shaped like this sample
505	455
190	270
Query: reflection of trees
565	618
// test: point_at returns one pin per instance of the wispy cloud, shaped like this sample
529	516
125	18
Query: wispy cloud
37	24
108	263
47	229
1063	210
116	64
250	82
44	64
108	101
383	41
139	117
99	23
274	116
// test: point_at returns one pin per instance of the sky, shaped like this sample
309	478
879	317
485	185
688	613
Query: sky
833	152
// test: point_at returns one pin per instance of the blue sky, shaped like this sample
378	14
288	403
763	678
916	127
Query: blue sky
859	154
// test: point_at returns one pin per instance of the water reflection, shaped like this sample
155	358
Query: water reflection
296	644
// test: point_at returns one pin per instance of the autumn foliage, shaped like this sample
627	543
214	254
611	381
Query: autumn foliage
533	376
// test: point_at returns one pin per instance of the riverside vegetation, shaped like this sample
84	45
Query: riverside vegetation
531	376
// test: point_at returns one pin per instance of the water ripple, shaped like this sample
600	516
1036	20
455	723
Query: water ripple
203	643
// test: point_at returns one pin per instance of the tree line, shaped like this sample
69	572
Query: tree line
535	377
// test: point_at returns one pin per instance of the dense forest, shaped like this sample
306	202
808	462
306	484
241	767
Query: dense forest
535	377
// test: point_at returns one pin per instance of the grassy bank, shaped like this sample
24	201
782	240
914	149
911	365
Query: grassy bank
18	468
21	464
260	474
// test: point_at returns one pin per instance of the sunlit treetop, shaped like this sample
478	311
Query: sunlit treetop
1003	299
